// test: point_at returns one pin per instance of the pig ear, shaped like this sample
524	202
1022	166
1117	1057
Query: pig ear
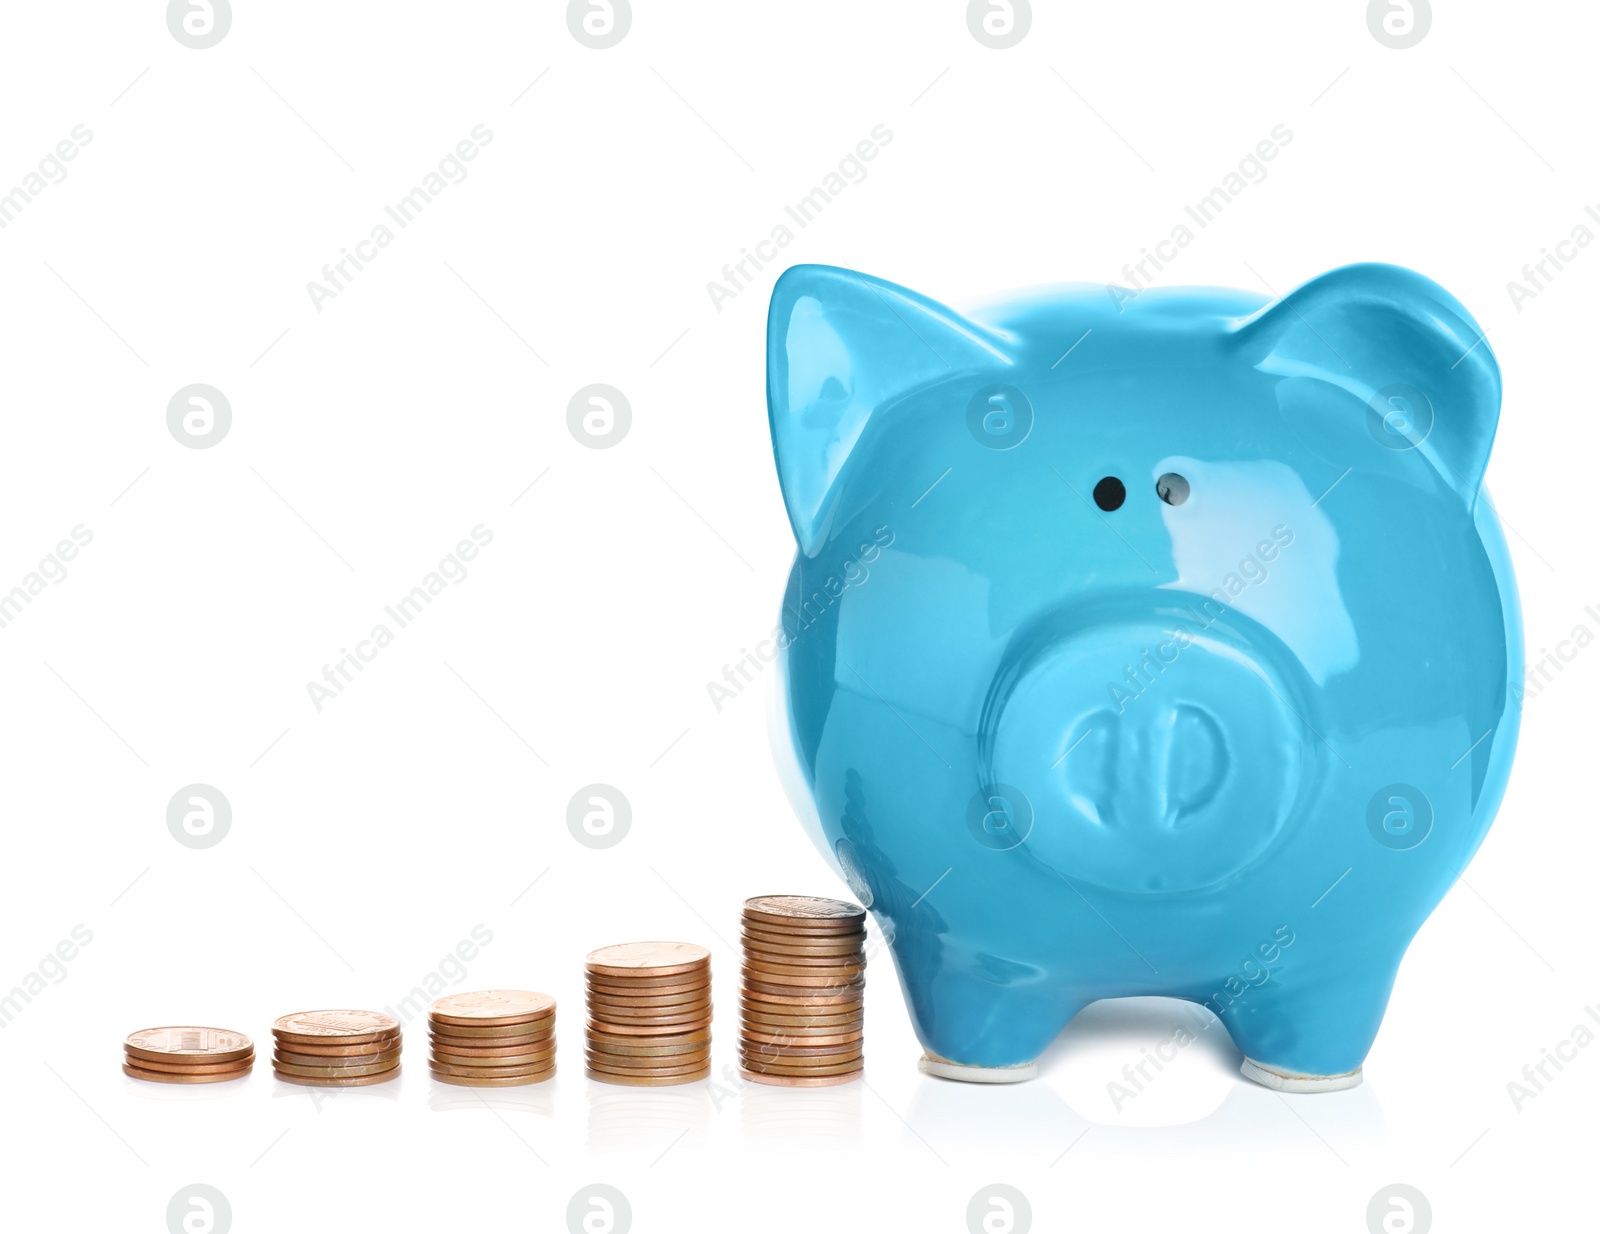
1414	369
841	346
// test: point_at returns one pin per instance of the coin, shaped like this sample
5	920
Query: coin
544	1046
648	1030
505	1081
801	1017
802	1069
536	1028
502	1060
761	958
335	1052
645	982
647	1081
599	998
600	1065
688	1015
491	1073
814	912
794	1041
184	1077
350	1081
814	944
196	1068
349	1027
795	1081
299	1069
646	1047
492	1007
772	1056
660	959
800	996
183	1041
335	1064
809	978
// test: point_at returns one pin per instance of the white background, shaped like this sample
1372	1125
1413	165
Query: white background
369	437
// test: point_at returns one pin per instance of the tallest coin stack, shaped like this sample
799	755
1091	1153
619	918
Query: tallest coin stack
800	1006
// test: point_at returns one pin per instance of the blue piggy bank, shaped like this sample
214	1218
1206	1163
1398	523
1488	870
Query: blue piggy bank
1160	643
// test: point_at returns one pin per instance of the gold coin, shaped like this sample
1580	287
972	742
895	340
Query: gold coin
492	1007
797	1081
535	1028
335	1064
647	1081
300	1069
345	1027
811	911
657	959
503	1081
184	1077
186	1068
502	1060
188	1041
345	1081
648	1030
489	1073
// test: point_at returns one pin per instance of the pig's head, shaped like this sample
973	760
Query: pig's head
1138	543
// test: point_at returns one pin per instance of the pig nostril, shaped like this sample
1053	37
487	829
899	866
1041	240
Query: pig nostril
1172	488
1110	493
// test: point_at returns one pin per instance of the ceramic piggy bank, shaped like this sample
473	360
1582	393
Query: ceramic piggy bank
1144	644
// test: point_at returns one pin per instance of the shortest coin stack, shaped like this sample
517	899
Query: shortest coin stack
649	1013
336	1049
493	1038
187	1054
800	1007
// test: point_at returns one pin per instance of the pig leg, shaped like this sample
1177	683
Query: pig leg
1307	1030
981	1023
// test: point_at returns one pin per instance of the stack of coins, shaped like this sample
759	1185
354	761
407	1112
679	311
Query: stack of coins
493	1038
187	1054
800	1003
336	1049
649	1013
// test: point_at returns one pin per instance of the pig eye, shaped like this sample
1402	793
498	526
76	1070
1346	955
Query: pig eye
1173	489
1110	493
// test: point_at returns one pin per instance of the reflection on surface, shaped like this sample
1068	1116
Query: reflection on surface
799	1120
624	1119
528	1098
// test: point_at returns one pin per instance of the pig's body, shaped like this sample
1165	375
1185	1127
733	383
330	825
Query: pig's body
1071	752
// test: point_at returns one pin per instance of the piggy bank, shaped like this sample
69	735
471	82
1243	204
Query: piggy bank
1156	643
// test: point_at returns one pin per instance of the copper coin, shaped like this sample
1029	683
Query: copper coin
792	1041
543	1047
800	1002
196	1068
503	1081
789	974
320	1073
536	1030
776	992
678	999
645	1047
647	1081
333	1053
800	1017
346	1027
184	1077
783	1060
488	1073
648	1030
801	1069
323	1063
655	959
805	910
542	1057
761	959
677	983
809	944
341	1081
600	1064
655	1015
188	1041
492	1007
796	1081
797	1032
